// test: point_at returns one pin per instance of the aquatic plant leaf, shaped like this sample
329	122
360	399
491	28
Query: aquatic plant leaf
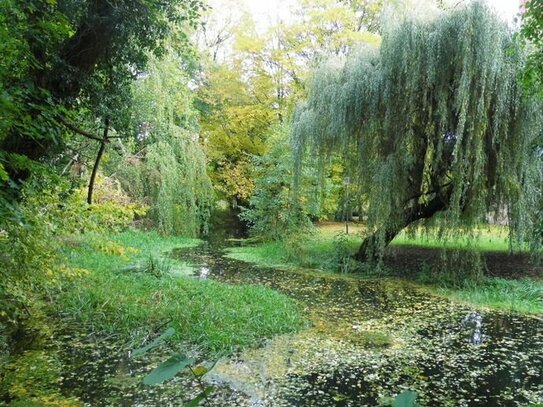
406	399
168	369
157	341
199	371
203	395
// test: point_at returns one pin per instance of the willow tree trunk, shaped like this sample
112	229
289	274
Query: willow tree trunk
372	247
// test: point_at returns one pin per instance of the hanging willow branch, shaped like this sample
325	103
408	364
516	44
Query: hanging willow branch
439	121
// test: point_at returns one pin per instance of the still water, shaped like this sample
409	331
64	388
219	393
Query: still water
366	340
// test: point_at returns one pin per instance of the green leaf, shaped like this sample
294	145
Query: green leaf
406	399
157	341
3	173
168	369
203	395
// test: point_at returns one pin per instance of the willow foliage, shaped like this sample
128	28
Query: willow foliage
168	173
439	121
178	185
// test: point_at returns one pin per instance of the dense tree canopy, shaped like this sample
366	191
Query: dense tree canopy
253	77
132	129
439	121
72	58
532	32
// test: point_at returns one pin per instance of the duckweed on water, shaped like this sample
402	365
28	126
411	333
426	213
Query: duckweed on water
113	308
33	380
411	257
368	341
433	348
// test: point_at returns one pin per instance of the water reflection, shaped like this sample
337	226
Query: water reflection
474	322
203	273
428	346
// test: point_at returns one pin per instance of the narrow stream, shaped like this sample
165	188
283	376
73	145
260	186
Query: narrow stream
367	340
372	339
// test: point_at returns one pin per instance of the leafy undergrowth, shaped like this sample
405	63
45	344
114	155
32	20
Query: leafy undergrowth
129	293
413	256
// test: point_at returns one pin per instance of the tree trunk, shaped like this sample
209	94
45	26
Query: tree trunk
97	161
78	59
372	247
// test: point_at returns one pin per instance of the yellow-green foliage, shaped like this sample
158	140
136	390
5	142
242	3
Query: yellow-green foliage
49	215
234	125
33	379
114	248
29	240
112	209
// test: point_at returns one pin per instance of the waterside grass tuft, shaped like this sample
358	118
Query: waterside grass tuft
126	294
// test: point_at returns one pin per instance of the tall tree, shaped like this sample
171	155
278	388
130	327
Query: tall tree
253	78
68	56
440	123
164	166
532	32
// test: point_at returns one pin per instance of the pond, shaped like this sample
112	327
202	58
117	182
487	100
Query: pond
367	340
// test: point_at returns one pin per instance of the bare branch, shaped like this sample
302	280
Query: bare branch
77	130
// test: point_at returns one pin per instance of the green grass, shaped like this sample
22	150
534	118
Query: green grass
315	252
489	238
318	251
115	299
522	295
485	237
322	251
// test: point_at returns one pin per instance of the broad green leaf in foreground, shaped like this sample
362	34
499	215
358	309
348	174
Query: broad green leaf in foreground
406	399
196	401
168	369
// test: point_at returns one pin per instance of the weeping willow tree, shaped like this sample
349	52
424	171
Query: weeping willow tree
175	183
439	123
166	167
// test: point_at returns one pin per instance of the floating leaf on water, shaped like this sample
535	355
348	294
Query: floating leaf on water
406	399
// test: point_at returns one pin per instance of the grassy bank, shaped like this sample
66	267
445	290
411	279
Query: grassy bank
322	249
519	295
327	250
131	290
124	289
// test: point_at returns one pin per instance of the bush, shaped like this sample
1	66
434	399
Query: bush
274	211
31	234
